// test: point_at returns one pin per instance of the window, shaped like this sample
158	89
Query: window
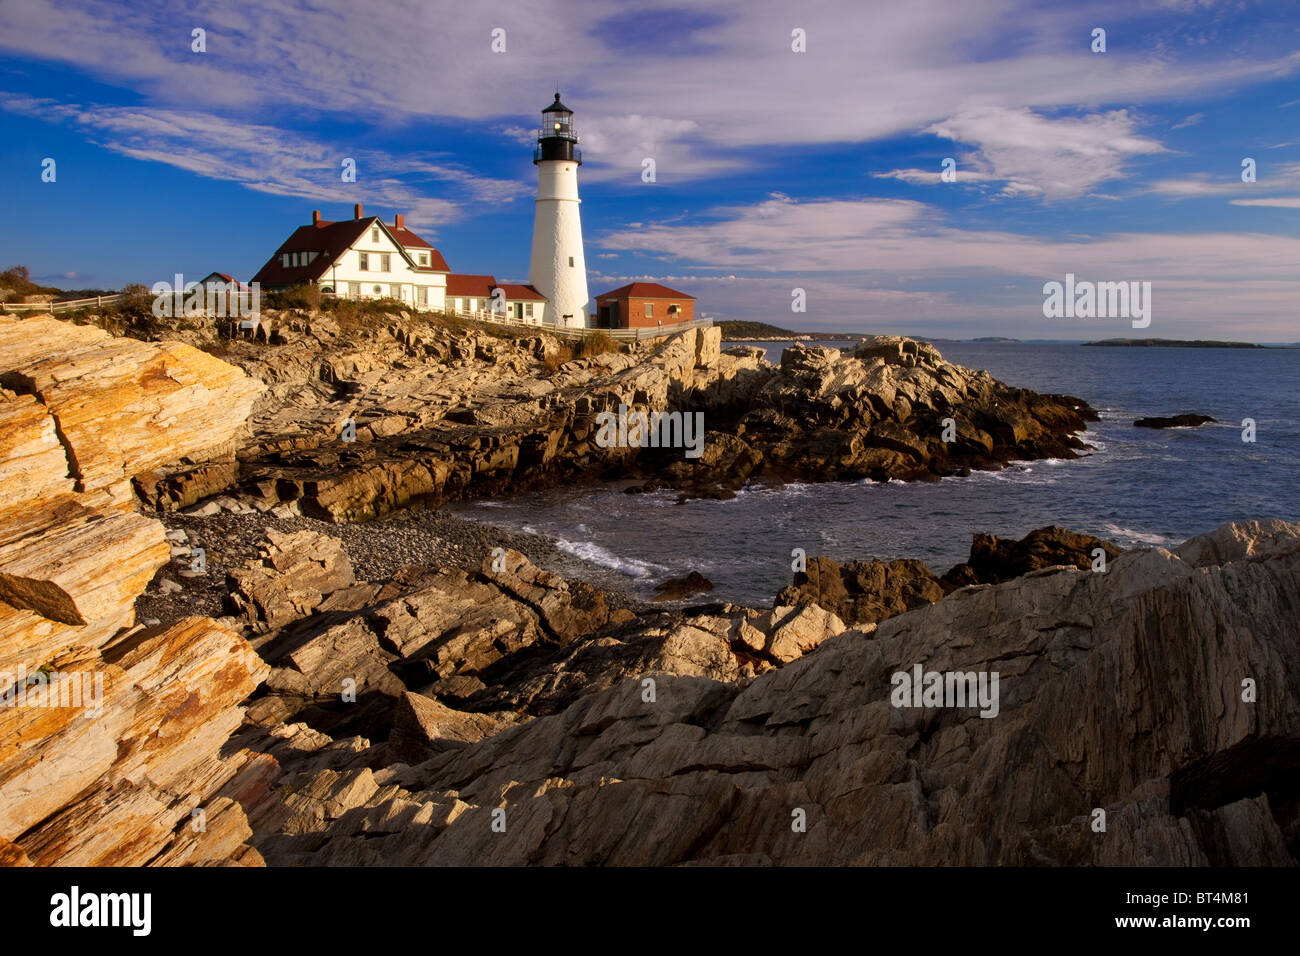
379	290
570	261
385	262
672	309
424	258
424	295
528	310
374	234
284	259
649	310
363	262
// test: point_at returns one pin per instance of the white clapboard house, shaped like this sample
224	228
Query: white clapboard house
366	258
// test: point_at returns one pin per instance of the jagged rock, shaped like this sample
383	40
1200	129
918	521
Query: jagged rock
1187	420
1238	541
863	592
993	559
167	401
798	630
884	410
294	576
110	790
113	734
422	727
1120	690
674	589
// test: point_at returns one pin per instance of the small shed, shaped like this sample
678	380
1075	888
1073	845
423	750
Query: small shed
643	305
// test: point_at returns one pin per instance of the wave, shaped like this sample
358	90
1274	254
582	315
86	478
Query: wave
1138	537
593	553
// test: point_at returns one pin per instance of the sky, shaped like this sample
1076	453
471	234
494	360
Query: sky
798	150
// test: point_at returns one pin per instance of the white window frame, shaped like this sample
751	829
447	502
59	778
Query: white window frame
385	262
363	262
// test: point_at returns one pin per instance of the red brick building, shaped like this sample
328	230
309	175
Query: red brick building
643	305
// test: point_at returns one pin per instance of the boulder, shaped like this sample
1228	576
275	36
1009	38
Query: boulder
1186	420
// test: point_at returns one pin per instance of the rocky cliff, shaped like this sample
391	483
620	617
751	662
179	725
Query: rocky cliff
360	421
110	733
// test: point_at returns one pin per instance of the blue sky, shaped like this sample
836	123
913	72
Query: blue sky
775	169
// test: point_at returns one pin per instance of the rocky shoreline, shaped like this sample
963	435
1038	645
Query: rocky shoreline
417	690
360	422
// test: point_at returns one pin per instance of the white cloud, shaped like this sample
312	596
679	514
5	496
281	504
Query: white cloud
268	160
883	246
702	99
1281	202
1061	158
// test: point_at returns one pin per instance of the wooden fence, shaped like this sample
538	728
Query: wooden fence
487	316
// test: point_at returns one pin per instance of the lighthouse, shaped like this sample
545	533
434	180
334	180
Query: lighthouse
558	269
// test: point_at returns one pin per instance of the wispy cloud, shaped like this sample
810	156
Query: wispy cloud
1281	202
889	245
698	98
1059	158
268	160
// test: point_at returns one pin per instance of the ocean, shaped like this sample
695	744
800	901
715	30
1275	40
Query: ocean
1138	487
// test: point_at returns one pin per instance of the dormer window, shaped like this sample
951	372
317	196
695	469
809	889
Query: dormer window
284	260
424	258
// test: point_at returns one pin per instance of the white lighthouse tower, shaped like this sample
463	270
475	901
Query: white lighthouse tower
558	269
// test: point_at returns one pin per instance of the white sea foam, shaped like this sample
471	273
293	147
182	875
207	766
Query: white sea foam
1137	537
593	553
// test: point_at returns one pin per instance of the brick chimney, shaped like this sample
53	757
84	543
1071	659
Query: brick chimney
399	221
315	217
356	211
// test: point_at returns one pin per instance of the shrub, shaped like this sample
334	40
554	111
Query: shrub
597	343
306	295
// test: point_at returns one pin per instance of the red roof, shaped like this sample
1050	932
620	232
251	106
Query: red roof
514	291
225	277
409	239
644	290
331	240
464	285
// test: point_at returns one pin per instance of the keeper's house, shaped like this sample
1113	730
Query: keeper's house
365	258
643	305
362	257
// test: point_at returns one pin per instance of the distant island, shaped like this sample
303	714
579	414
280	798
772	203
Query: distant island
1177	344
735	330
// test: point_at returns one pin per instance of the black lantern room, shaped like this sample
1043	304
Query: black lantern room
556	139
